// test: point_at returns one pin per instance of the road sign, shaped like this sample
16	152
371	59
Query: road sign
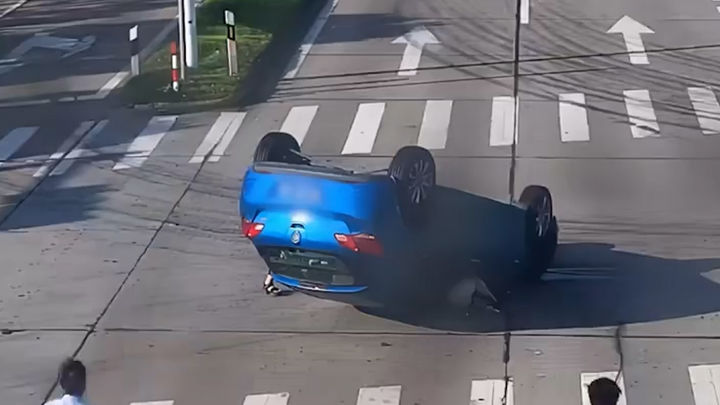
415	42
631	30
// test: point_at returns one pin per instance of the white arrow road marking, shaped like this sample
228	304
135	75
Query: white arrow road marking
415	41
309	39
524	11
389	395
13	141
297	123
364	128
143	145
13	7
573	118
643	122
631	30
435	124
587	378
79	151
706	109
64	148
267	399
705	382
502	121
491	392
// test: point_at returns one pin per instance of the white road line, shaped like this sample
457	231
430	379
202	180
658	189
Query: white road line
143	145
706	108
64	148
718	9
705	381
491	392
389	395
640	111
524	11
13	141
153	403
230	133
587	378
297	123
12	8
502	121
364	128
107	87
213	136
573	118
267	399
435	124
310	38
26	103
79	151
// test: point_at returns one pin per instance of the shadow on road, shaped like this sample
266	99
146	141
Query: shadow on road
589	285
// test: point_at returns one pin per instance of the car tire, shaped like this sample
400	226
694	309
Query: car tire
413	170
541	230
277	147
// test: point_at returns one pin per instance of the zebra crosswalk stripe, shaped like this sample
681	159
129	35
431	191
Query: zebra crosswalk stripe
643	122
64	148
298	121
491	392
364	128
388	395
80	150
267	399
502	121
13	141
212	137
573	118
232	129
143	145
705	381
706	109
435	124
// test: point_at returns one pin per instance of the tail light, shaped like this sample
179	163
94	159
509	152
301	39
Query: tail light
251	229
361	243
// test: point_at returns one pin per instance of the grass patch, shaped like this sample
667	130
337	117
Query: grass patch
256	23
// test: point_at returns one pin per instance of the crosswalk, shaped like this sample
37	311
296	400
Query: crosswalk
362	130
703	380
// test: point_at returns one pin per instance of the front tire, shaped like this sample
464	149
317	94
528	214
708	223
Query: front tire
277	147
413	170
541	230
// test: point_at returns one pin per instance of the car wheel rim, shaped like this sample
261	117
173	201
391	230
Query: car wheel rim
543	217
420	180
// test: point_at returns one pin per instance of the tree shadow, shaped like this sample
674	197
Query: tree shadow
589	284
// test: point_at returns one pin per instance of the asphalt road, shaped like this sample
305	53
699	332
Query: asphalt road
129	255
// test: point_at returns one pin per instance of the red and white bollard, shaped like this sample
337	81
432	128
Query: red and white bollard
175	67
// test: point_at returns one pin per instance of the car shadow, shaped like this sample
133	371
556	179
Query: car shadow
588	285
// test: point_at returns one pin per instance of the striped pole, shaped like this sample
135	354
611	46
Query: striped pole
231	47
134	51
174	60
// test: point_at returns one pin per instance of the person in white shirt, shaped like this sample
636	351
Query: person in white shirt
72	382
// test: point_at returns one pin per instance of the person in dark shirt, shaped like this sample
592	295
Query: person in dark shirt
603	391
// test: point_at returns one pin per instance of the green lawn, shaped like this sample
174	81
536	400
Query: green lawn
256	22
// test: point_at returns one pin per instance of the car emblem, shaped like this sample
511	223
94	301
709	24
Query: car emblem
295	237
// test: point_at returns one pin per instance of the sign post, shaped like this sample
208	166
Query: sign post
134	51
181	37
231	45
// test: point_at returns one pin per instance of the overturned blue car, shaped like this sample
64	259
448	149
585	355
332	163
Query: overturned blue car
355	236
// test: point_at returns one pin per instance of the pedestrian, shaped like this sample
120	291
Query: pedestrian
72	382
604	391
269	285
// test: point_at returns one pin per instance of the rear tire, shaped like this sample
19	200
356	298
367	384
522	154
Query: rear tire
413	170
541	230
277	147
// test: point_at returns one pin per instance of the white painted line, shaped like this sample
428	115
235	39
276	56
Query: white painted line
573	118
718	8
364	128
67	99
587	378
108	87
502	121
79	151
631	30
491	392
389	395
143	145
524	11
435	124
267	399
297	123
13	141
211	138
64	148
153	403
232	130
310	38
26	103
705	381
13	7
641	114
706	108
